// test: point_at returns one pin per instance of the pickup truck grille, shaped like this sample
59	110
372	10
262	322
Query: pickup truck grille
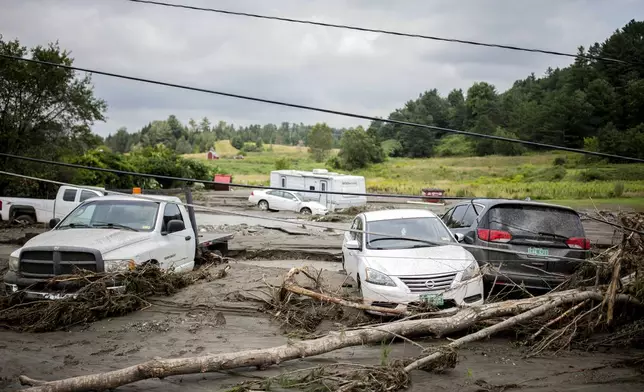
428	283
48	263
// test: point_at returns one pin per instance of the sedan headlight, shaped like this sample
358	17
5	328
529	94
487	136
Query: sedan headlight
377	277
119	265
471	271
14	263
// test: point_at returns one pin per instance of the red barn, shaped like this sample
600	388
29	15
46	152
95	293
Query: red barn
212	155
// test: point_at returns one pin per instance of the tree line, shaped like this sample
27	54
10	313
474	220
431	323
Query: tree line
195	137
591	104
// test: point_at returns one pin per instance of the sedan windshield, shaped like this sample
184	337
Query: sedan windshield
130	215
407	233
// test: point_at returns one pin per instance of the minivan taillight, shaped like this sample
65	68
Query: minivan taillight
578	243
252	193
494	235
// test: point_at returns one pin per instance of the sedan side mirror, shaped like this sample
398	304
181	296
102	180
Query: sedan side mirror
175	225
53	222
459	237
353	245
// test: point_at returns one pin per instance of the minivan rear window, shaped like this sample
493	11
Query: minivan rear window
525	221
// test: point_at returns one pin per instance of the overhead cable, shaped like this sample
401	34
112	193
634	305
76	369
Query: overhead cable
322	110
388	32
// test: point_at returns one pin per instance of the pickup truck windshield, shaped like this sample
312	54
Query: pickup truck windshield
113	214
392	233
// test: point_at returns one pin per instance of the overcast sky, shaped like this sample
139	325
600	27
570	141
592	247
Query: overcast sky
337	69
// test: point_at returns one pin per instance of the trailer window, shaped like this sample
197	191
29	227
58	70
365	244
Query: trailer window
283	182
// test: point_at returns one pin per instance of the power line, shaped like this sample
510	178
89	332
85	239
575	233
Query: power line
389	32
185	179
291	222
322	110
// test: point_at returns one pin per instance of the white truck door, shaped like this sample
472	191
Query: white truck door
176	246
66	199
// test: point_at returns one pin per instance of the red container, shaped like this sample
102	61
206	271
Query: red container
226	179
429	192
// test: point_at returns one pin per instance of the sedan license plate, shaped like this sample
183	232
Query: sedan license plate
538	251
432	299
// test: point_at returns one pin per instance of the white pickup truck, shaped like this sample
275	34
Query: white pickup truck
30	211
109	234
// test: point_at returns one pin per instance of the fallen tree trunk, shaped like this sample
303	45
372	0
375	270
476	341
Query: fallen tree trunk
464	318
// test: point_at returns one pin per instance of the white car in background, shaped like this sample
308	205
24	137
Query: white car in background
394	266
277	200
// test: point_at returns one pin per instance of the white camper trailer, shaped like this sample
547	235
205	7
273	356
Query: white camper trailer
322	180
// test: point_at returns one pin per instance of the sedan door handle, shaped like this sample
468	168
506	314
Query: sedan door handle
188	238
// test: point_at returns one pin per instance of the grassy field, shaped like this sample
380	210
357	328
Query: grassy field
548	176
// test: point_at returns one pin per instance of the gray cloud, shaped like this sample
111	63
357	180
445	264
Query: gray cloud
337	69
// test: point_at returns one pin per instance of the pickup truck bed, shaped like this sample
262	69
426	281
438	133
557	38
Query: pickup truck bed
213	242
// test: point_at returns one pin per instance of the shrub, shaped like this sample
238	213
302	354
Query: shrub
592	175
455	145
283	163
392	148
618	189
559	161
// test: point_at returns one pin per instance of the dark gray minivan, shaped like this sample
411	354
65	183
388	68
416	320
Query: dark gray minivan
541	232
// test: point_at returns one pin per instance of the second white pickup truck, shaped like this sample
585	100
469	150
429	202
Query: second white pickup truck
28	211
109	234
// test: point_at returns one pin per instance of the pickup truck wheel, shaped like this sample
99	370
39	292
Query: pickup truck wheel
263	205
25	219
305	211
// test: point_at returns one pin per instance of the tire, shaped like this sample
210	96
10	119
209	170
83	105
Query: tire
263	205
25	219
306	211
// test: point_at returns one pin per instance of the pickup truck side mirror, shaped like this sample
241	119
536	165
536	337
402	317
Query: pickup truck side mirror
353	245
175	225
53	222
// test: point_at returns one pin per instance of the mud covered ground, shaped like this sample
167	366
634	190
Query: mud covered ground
223	316
178	327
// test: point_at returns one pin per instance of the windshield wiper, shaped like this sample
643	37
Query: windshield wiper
73	226
563	237
403	239
115	225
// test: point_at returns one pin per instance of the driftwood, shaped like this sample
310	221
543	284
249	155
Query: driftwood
290	285
459	320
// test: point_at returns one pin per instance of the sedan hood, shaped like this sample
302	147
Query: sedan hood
103	240
420	261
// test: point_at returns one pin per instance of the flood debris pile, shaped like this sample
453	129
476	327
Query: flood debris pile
302	315
94	300
591	324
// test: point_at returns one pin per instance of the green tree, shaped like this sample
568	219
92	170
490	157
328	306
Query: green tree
183	146
358	150
320	141
506	148
119	142
44	111
237	142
